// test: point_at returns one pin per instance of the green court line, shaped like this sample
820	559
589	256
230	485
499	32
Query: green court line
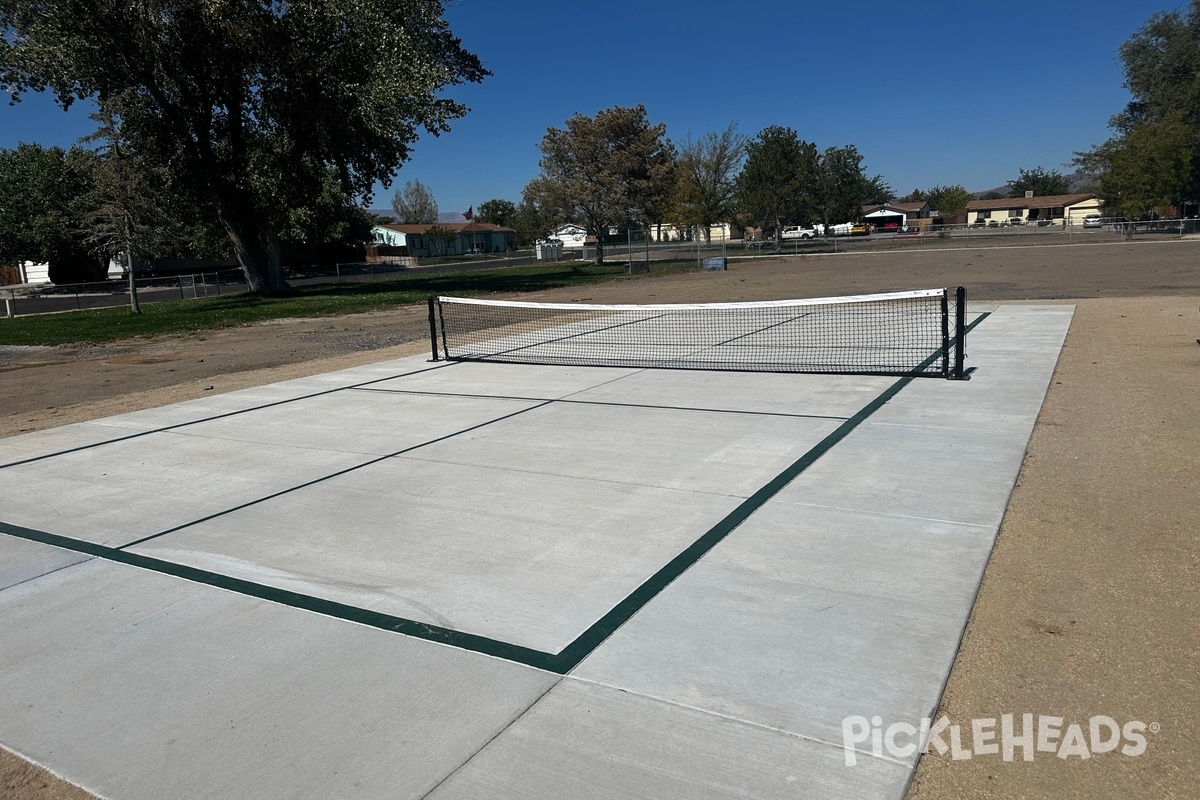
608	403
178	425
330	608
595	635
560	663
333	475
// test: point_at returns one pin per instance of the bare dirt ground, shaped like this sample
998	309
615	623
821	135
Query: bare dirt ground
1089	604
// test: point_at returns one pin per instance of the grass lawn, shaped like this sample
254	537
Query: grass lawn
182	316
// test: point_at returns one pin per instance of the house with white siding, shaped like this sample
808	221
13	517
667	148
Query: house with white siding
469	237
1069	209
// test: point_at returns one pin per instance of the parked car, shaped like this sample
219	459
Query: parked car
860	229
798	232
1092	221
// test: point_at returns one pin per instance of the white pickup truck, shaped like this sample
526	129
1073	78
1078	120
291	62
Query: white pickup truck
798	232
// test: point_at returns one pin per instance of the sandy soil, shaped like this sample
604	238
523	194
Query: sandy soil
1089	605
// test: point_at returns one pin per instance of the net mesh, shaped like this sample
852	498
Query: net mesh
902	333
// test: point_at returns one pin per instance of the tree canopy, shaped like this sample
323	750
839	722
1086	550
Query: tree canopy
1042	182
1153	159
497	211
842	187
44	194
948	200
877	190
706	178
532	219
604	171
252	108
414	204
776	184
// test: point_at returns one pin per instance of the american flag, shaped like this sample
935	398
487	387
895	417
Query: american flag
469	214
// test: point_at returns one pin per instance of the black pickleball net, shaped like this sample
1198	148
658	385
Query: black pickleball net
901	333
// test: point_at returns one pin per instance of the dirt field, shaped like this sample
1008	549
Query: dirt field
1089	605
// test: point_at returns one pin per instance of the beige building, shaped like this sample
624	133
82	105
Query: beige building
1052	209
721	232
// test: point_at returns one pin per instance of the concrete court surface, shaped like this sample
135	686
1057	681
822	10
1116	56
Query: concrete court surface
473	580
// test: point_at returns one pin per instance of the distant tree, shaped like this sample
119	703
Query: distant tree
44	192
842	188
1043	183
706	178
532	220
440	238
497	212
915	196
604	171
877	191
949	200
1153	159
776	183
129	209
249	105
414	204
992	196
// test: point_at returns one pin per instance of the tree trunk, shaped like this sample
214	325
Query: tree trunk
262	263
599	252
134	307
778	235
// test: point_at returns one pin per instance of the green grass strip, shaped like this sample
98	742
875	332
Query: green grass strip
322	300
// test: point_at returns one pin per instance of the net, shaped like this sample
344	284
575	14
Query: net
901	333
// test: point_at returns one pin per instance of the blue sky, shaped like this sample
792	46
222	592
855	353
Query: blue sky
966	95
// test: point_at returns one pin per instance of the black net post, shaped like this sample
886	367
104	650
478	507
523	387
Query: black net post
960	331
433	337
945	334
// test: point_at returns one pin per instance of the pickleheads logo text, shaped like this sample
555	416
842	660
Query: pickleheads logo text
1027	734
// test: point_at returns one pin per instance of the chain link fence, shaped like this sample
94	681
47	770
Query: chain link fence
50	298
638	250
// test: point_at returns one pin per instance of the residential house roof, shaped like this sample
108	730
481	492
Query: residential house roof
1047	201
907	208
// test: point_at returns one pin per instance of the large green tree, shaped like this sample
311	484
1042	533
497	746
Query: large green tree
1153	159
250	105
877	190
532	219
604	171
497	211
44	193
706	178
949	200
776	183
842	186
1042	182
